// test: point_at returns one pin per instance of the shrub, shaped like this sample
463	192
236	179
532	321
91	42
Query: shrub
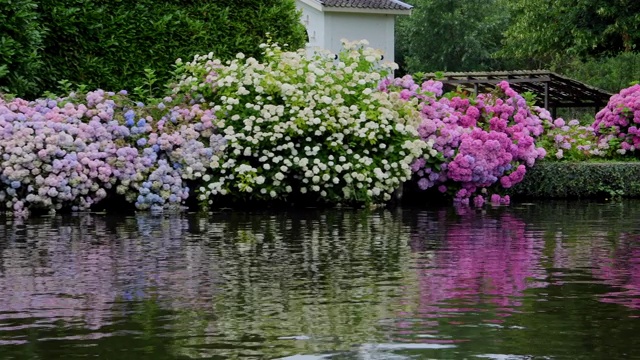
580	180
617	124
20	46
71	153
486	142
109	44
316	128
246	129
570	141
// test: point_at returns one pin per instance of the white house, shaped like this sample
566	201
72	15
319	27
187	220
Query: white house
330	21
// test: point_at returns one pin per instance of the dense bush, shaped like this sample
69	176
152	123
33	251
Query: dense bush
586	161
305	126
20	44
73	152
580	180
618	123
109	44
286	126
571	141
485	142
612	136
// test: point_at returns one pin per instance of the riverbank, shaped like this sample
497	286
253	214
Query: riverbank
555	180
307	132
546	180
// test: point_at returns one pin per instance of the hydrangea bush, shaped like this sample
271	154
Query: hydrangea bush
618	123
486	142
73	152
328	128
571	141
315	127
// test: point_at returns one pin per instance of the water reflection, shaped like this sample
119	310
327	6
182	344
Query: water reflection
76	269
321	284
620	267
615	260
472	264
481	260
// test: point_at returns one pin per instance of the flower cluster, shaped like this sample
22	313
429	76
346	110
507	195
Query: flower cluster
486	142
73	152
313	127
575	142
618	123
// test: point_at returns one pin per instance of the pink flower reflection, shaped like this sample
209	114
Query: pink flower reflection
619	267
478	261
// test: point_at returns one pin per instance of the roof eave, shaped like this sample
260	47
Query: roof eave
313	3
337	9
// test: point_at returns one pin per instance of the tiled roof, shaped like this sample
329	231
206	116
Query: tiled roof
367	4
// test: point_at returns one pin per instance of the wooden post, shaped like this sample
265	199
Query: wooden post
546	95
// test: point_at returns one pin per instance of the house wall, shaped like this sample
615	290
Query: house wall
313	20
378	29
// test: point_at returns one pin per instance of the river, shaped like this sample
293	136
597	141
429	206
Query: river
544	280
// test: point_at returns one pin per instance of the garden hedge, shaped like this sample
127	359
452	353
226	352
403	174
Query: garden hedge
21	37
580	180
109	44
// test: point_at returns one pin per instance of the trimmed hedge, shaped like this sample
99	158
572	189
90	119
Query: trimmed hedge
580	180
109	44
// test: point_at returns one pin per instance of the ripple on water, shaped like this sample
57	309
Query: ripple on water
391	284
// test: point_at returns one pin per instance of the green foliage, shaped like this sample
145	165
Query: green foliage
580	180
530	97
147	90
110	44
20	45
571	141
451	35
543	32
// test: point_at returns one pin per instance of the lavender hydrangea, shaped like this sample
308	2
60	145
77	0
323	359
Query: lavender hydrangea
72	152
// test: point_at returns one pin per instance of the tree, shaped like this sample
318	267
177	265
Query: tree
544	32
452	35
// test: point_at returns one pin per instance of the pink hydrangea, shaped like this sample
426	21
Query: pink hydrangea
620	119
485	142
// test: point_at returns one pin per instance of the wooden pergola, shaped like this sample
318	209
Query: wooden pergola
556	91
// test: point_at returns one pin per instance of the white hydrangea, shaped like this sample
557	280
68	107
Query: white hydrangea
291	119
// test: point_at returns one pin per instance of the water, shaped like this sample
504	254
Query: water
530	281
